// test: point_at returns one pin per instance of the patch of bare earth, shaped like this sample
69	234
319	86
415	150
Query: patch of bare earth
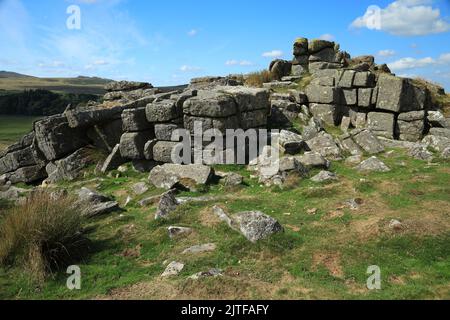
331	261
232	285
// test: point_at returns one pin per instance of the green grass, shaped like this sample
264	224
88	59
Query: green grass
60	85
319	256
12	128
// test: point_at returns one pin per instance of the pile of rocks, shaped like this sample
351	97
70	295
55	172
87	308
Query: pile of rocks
136	122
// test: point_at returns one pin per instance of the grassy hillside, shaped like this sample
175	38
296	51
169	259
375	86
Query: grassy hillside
12	128
323	254
10	81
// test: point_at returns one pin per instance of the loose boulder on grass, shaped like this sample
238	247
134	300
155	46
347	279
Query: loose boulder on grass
254	225
94	204
373	165
167	204
168	175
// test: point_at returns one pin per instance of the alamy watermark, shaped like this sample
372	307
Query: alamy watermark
74	280
73	22
373	17
236	146
374	281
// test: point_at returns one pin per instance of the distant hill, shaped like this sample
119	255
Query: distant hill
15	82
8	74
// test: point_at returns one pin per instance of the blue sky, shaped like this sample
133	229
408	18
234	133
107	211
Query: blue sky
169	42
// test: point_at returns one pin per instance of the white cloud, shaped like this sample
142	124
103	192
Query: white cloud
192	33
386	53
413	63
238	63
187	68
327	36
273	54
404	18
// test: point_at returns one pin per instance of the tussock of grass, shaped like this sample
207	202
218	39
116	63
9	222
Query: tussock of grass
42	235
258	78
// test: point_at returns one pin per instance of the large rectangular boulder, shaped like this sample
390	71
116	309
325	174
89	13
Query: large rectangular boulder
163	111
365	97
411	125
56	139
162	151
132	144
212	104
221	124
322	94
400	95
248	99
382	124
135	120
328	113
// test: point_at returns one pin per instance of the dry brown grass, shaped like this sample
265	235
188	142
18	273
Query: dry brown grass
256	79
42	235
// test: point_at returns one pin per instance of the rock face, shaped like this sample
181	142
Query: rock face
70	167
139	123
168	175
254	225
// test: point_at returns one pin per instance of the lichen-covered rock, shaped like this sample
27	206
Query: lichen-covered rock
440	132
291	142
135	120
367	141
132	144
411	125
167	204
382	124
254	225
327	113
93	204
126	85
400	95
280	68
113	161
372	164
164	131
162	151
212	104
163	111
71	167
300	47
168	175
313	160
322	94
325	145
324	176
175	232
173	269
438	143
55	139
317	45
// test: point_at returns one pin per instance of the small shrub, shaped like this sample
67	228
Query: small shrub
256	79
42	235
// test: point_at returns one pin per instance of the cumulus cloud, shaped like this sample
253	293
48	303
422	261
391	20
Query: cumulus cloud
238	63
327	36
273	54
386	53
404	18
413	63
187	68
192	33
